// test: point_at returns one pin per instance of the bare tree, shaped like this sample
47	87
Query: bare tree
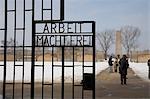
105	39
130	36
11	43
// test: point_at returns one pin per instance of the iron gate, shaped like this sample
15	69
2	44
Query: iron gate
42	56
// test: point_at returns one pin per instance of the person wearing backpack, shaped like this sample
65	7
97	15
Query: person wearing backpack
110	62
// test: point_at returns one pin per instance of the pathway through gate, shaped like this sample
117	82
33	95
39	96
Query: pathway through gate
108	86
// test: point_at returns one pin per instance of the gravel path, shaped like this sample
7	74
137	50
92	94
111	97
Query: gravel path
109	87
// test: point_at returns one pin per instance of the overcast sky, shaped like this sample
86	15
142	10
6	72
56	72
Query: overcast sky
108	14
113	14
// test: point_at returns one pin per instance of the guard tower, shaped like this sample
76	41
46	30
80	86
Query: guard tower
118	43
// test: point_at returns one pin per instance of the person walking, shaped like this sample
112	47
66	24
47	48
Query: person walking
148	63
110	62
123	69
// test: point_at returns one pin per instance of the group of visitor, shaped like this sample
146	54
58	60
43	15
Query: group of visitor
119	65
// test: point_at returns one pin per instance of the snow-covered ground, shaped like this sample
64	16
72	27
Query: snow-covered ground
68	72
141	69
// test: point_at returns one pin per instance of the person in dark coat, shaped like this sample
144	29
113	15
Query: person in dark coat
148	63
110	62
123	69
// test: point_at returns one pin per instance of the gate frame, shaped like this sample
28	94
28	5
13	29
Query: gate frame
33	45
33	56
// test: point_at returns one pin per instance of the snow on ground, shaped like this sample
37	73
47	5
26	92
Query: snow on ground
140	69
68	72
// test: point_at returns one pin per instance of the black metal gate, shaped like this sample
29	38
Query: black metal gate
42	56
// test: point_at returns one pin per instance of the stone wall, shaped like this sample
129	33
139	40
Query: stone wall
140	56
78	56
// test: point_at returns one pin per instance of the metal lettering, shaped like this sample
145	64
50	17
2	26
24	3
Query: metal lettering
54	28
61	27
46	42
46	29
79	39
39	40
69	28
64	34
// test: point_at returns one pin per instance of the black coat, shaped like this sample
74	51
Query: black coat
110	62
148	62
123	66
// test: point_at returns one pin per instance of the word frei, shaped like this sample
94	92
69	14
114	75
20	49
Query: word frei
62	34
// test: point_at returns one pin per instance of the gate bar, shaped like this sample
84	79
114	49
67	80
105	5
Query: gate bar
33	53
82	70
62	10
23	74
93	43
14	48
73	75
52	71
62	89
5	51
